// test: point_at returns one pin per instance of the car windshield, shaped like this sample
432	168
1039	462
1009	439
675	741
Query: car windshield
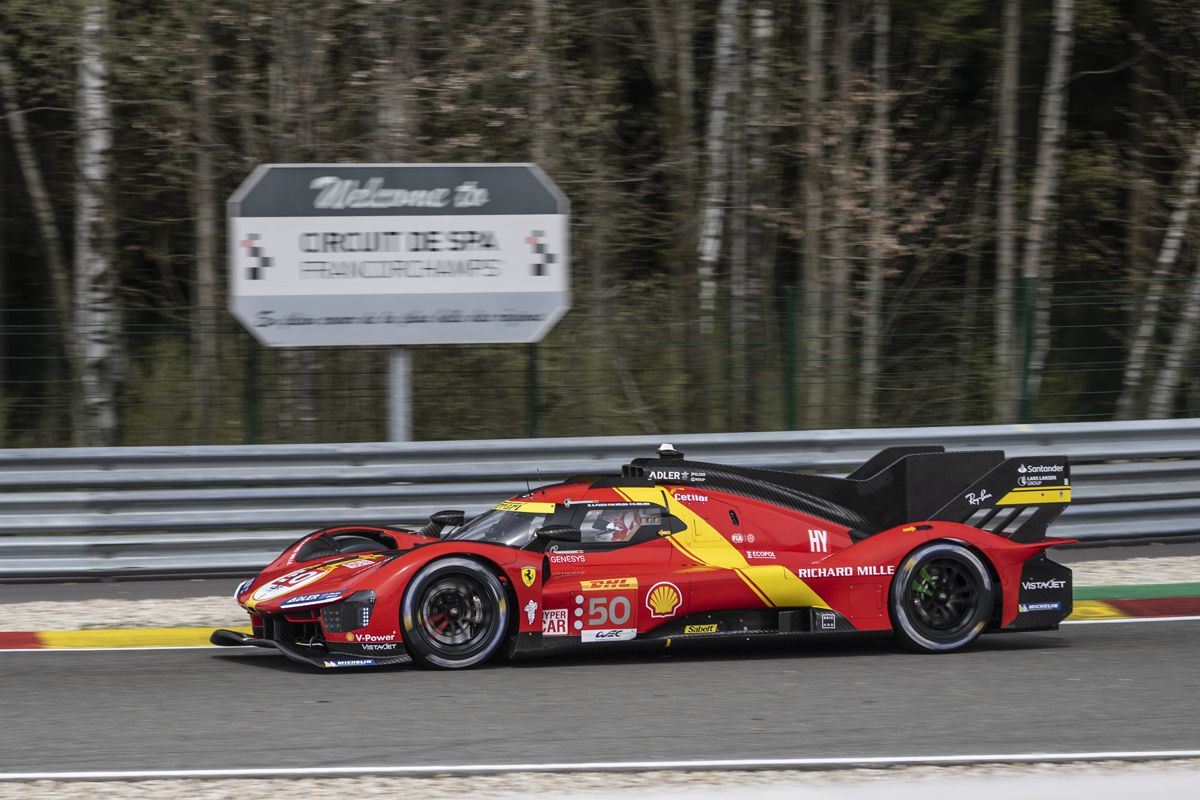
511	528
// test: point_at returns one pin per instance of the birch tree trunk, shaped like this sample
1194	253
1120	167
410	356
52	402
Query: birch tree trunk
761	190
881	135
543	94
739	266
813	351
1036	271
396	121
672	29
1007	380
1136	365
1183	341
48	232
96	312
205	330
838	388
716	174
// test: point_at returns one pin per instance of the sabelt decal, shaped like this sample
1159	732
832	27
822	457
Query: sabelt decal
528	576
608	584
690	629
526	508
663	599
554	622
609	635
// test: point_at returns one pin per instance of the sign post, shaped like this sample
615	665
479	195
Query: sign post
398	255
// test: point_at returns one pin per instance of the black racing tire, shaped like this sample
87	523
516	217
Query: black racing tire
455	614
941	598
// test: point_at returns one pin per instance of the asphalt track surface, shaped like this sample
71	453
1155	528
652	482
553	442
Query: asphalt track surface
1092	687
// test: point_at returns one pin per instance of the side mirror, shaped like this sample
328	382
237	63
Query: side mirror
440	520
558	533
448	519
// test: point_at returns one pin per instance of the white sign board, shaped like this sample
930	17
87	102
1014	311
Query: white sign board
398	254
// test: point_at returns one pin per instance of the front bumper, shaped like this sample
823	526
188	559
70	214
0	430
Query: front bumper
313	656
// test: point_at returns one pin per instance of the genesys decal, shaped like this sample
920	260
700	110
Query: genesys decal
609	635
567	558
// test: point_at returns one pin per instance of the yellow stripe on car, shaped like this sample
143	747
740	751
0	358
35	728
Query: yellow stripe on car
774	584
1034	495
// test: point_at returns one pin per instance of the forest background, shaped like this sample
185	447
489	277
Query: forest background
785	213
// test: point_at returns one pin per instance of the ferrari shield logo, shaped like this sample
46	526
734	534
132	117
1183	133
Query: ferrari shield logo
528	575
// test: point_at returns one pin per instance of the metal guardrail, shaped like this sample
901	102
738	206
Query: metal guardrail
146	511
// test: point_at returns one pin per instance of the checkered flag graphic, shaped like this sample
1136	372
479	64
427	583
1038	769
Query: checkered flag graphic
254	272
544	257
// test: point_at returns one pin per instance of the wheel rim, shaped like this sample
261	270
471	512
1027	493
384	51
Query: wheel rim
944	597
456	615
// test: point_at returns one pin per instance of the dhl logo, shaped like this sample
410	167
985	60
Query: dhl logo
608	584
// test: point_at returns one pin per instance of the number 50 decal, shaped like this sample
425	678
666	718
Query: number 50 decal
608	611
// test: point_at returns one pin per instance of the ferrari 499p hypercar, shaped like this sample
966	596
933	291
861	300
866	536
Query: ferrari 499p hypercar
936	547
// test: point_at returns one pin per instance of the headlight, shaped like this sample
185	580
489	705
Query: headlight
349	615
243	586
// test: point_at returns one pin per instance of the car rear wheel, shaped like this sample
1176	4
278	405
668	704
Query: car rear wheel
455	614
941	598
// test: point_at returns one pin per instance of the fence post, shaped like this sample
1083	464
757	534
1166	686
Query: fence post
250	393
789	358
532	391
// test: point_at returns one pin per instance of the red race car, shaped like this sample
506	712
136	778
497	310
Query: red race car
937	547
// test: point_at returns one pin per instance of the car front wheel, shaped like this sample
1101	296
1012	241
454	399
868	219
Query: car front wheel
455	614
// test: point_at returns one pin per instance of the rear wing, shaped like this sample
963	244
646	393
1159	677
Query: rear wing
1017	499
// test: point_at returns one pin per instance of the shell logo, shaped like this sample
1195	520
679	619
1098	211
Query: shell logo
663	599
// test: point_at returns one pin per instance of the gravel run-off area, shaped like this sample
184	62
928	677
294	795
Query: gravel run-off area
925	781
